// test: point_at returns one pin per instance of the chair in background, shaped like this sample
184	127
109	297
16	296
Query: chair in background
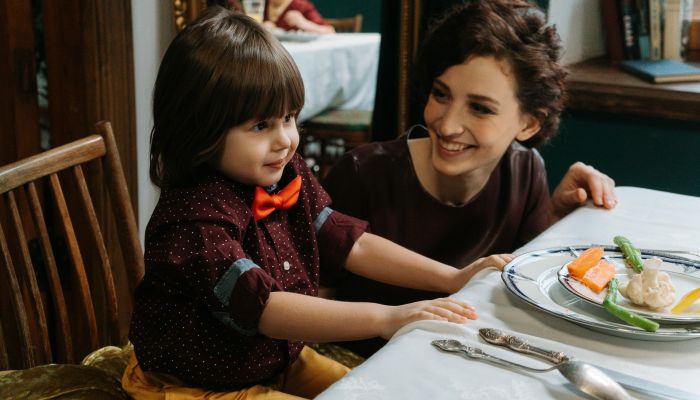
351	24
57	309
333	132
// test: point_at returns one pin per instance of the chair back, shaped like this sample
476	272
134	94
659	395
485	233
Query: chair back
351	24
60	290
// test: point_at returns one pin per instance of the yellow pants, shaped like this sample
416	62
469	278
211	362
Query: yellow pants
308	376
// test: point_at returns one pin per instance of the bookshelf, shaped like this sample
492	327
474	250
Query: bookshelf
596	85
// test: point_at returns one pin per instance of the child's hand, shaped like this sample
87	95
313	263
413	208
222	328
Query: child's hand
462	276
582	182
443	309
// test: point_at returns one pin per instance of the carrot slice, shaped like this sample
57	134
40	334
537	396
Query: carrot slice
585	261
598	276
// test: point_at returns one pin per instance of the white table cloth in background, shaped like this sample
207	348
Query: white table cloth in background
408	367
339	71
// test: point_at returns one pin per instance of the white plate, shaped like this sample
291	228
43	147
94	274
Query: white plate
533	277
684	283
294	36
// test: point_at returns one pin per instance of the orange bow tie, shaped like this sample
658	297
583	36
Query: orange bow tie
265	204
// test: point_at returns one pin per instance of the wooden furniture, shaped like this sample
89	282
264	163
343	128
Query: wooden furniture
596	85
57	305
351	24
334	132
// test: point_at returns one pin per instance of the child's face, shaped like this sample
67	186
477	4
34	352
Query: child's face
473	116
256	152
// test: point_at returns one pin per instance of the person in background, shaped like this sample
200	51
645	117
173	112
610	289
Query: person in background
234	246
470	181
295	14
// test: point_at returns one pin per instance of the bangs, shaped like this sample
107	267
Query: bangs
267	83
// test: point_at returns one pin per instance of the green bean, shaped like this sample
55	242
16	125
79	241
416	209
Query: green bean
631	253
623	313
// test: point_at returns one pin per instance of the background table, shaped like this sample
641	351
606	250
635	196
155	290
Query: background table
339	71
408	367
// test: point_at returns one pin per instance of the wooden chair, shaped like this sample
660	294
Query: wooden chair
333	132
62	298
351	24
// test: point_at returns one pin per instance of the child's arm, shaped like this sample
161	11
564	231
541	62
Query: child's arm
295	316
382	260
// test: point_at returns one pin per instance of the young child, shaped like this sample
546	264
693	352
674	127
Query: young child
469	183
234	245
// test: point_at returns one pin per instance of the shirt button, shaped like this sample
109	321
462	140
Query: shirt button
286	266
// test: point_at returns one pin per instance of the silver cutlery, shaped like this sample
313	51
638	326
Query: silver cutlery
584	376
500	338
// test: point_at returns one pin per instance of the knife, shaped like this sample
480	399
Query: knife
500	338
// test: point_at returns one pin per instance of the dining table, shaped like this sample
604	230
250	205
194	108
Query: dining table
339	70
409	367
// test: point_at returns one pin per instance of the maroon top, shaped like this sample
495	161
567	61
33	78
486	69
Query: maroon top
305	7
210	269
377	183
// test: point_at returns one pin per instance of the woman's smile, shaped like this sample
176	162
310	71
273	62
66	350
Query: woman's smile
453	148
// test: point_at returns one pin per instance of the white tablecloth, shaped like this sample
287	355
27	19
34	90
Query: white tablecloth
408	367
339	71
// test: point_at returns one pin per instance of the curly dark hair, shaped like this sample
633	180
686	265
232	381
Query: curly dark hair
222	70
510	30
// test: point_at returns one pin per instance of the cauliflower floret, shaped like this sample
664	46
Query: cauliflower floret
652	288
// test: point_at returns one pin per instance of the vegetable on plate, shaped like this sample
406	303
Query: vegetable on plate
632	255
609	303
686	301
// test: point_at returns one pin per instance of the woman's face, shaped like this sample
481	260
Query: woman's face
473	116
256	152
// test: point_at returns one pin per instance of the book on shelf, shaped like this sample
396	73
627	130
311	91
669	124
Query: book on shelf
643	36
656	18
662	71
613	32
672	30
629	24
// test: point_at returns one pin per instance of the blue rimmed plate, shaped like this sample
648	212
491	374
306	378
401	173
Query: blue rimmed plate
534	278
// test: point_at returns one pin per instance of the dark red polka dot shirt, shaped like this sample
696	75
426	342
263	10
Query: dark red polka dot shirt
210	268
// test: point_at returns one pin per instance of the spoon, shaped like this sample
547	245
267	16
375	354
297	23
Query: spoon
586	377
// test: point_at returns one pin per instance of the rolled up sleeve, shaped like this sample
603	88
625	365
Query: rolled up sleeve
244	290
336	234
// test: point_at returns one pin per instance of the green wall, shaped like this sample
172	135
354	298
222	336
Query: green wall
370	10
644	152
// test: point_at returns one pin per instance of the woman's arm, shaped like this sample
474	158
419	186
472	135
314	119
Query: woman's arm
382	260
295	316
296	19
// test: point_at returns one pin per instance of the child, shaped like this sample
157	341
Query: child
234	245
469	183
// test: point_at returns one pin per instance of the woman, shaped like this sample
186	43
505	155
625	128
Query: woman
469	183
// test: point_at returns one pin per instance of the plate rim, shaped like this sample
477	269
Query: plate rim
629	331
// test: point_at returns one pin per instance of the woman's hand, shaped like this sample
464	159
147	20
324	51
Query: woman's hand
443	309
463	275
580	183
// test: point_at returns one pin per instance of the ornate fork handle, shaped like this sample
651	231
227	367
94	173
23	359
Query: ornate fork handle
500	338
474	352
521	346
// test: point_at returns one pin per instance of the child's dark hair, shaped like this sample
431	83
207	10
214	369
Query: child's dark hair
222	70
509	30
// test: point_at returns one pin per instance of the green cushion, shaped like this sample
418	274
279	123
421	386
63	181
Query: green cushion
343	119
